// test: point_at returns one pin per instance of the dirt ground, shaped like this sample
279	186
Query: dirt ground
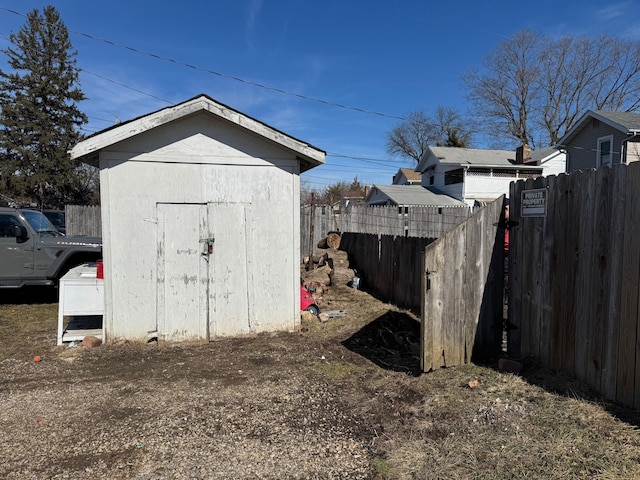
338	400
266	406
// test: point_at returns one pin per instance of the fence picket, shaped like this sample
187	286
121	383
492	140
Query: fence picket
83	220
575	279
419	222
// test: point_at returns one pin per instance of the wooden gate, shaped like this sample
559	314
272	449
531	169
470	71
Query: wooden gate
462	307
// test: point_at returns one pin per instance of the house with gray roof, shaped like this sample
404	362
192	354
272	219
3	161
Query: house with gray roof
407	176
409	196
475	176
601	139
552	160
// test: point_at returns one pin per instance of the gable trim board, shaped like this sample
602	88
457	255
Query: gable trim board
87	150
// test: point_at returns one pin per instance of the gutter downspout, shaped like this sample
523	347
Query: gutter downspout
623	152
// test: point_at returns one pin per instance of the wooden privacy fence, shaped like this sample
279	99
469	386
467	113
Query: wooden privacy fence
83	220
575	277
388	265
425	222
462	304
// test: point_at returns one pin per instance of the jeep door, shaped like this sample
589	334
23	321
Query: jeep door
16	255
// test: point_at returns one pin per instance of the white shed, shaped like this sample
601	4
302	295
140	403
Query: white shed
200	222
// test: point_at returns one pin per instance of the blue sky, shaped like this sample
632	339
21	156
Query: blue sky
387	58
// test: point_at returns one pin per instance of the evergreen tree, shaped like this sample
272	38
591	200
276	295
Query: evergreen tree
39	117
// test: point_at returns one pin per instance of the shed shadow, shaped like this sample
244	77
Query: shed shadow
391	341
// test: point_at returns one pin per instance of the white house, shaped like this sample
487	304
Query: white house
191	195
474	176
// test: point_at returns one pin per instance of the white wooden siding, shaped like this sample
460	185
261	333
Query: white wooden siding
201	165
231	288
181	272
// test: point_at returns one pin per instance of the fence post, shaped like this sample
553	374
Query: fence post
312	222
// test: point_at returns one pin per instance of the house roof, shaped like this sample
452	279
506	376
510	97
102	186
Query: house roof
415	195
353	194
626	122
88	149
472	157
410	174
541	154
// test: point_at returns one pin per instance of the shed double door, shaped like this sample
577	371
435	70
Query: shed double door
203	282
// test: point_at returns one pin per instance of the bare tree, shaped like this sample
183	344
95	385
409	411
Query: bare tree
412	137
587	73
533	88
618	86
505	90
452	130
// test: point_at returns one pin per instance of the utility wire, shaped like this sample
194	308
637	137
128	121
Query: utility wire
126	86
219	74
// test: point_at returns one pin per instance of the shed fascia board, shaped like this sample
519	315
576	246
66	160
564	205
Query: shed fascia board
87	149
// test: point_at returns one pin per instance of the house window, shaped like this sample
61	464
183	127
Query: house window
454	176
605	153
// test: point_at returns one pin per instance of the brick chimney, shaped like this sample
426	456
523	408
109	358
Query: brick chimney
523	154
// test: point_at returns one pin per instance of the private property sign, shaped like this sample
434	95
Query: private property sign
534	203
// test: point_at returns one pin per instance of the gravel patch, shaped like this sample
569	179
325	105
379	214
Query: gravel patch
238	408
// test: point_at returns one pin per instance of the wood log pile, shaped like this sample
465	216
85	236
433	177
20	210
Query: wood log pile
329	266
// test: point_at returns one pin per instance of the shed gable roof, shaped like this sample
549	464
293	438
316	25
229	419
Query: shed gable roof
88	149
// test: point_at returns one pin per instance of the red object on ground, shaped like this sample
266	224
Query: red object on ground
305	298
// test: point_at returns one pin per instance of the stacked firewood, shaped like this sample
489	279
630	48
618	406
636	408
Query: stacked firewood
329	266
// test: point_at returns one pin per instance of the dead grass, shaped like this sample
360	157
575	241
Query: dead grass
25	325
469	422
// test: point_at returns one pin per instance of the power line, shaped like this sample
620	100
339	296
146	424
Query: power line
120	84
115	82
219	74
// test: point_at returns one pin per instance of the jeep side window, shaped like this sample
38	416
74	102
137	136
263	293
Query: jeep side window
7	225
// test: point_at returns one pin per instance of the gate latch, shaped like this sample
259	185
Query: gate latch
429	272
206	246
